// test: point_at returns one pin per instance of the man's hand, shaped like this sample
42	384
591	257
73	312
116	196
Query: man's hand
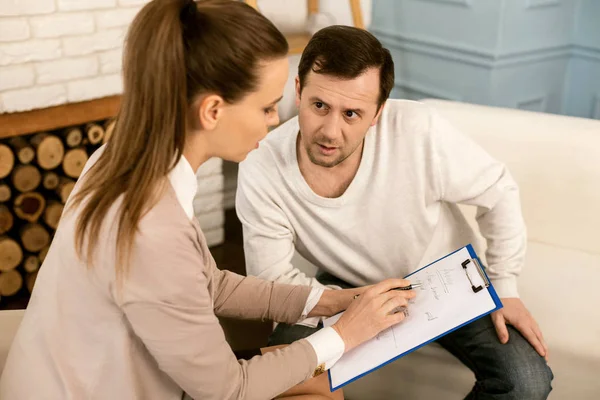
515	314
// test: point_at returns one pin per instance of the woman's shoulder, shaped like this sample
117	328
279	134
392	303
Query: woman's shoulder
166	219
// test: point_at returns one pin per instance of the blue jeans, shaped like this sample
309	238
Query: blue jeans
511	371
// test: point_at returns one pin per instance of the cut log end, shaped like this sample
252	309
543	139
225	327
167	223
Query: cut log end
31	263
11	253
50	150
109	128
50	180
29	206
73	137
34	237
94	133
10	282
25	153
26	178
7	160
53	213
64	189
30	281
42	254
6	219
74	162
5	192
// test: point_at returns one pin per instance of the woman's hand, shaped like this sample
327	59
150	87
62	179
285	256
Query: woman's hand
335	301
372	312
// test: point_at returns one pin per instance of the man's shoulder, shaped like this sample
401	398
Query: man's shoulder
406	120
402	111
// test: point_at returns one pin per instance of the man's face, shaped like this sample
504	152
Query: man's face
335	115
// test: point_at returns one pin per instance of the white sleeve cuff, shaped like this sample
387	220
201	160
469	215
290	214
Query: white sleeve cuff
313	298
328	346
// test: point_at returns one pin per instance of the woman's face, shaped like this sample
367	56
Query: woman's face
243	124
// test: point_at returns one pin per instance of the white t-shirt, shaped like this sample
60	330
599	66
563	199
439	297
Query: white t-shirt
399	213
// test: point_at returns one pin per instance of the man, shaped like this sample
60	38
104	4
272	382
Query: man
367	188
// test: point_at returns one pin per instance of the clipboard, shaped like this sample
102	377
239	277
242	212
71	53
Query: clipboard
466	281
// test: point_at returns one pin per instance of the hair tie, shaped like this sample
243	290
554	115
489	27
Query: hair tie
188	9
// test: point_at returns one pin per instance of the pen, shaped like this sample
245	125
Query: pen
410	287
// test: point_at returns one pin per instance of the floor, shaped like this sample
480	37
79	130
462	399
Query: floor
242	335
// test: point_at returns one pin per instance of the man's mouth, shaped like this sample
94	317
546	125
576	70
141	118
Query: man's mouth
326	150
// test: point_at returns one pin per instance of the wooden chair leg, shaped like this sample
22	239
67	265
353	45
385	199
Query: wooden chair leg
357	17
252	3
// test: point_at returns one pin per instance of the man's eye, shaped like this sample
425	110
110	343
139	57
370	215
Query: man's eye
269	110
319	105
350	114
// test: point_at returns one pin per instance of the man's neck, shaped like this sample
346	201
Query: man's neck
329	182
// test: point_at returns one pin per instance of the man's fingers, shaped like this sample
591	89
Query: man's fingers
538	333
532	338
500	326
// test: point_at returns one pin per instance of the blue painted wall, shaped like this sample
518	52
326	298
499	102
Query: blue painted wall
583	83
541	55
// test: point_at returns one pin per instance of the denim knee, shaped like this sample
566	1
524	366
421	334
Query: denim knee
531	382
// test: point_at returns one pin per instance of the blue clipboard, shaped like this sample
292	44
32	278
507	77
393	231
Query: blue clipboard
487	287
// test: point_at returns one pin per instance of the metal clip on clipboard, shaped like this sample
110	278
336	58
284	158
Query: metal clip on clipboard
479	268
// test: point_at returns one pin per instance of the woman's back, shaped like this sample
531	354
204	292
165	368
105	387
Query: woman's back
75	341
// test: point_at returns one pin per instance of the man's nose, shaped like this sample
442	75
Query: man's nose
332	129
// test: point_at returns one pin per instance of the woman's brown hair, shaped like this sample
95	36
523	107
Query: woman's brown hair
175	51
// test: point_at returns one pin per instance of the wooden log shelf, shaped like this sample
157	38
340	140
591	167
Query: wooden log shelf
42	153
63	116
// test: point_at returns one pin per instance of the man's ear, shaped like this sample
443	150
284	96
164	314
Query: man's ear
210	110
298	91
376	118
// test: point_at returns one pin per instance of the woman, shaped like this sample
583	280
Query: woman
125	305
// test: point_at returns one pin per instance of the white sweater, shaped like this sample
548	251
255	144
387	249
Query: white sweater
398	214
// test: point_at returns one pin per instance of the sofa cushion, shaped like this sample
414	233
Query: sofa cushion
555	160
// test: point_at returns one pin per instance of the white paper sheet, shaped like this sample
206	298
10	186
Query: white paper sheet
444	302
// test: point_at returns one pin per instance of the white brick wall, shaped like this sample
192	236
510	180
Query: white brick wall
14	29
115	18
100	86
66	69
57	25
26	7
58	51
70	5
16	77
111	61
34	97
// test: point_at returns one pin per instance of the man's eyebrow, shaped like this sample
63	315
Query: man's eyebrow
316	99
356	110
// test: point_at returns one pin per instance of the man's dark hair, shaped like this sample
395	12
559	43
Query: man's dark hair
346	52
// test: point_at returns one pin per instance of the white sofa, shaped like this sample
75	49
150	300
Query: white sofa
556	161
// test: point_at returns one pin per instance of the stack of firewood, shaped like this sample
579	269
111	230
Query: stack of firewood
37	174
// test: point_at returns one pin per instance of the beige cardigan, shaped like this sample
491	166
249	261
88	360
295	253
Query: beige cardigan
81	339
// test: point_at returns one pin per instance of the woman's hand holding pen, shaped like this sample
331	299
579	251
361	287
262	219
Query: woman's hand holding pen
373	311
